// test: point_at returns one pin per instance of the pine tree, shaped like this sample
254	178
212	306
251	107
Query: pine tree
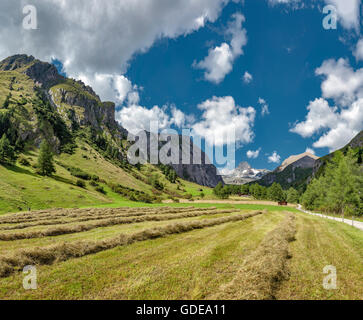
276	193
292	196
7	154
45	160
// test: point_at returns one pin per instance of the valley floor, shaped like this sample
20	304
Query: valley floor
182	252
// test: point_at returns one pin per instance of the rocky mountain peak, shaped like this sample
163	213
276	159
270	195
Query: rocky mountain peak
244	173
305	157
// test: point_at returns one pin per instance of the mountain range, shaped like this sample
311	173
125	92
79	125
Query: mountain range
244	173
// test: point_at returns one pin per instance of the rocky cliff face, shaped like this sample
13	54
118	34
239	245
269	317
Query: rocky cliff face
204	173
190	163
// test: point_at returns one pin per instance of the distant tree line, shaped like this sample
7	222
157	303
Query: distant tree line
274	193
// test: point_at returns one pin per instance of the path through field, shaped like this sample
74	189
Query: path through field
353	223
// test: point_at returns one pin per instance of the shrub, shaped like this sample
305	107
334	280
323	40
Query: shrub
94	184
95	178
100	189
80	183
24	161
79	173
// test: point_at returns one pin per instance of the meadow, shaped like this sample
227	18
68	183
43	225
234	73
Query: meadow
178	251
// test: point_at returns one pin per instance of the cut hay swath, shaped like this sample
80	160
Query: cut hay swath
62	252
57	231
264	270
78	213
93	217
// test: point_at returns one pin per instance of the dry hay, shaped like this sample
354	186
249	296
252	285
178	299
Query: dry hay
78	213
264	270
62	230
64	251
92	217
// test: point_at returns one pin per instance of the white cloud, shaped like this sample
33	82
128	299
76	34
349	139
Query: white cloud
348	12
224	122
111	87
135	118
265	108
341	82
338	124
274	158
358	53
219	61
349	124
247	77
253	154
310	150
320	116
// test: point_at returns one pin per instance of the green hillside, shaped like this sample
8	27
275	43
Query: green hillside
88	144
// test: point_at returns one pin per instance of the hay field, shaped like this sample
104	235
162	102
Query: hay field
177	253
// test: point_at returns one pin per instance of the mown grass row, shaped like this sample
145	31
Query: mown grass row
61	230
11	262
263	271
77	213
94	217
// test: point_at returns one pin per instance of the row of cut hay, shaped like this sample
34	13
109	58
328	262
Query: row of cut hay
46	214
57	231
76	213
60	252
264	270
60	221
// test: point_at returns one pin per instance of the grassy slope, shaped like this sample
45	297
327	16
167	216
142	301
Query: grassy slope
197	264
21	188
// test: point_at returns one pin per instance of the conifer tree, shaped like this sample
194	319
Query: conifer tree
45	160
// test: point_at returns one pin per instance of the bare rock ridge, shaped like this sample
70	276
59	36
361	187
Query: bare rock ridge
304	160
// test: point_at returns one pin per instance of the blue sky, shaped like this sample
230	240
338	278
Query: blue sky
183	62
284	49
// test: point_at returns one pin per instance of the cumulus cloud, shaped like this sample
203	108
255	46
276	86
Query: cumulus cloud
135	118
341	82
274	158
320	115
265	109
224	122
253	154
247	77
348	12
111	87
336	125
220	59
